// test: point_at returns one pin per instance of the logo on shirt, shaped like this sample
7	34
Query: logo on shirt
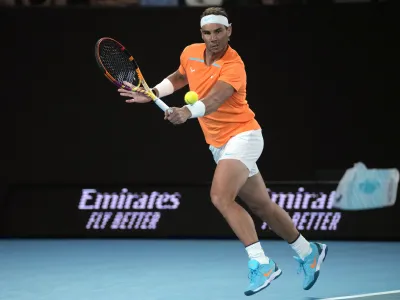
192	70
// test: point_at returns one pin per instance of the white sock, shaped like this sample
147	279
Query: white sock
256	252
301	246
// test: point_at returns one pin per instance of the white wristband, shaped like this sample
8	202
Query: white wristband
164	88
198	109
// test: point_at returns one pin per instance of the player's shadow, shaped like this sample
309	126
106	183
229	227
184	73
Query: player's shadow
311	298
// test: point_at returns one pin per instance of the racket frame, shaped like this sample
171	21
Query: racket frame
142	82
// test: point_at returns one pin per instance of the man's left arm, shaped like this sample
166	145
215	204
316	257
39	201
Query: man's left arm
219	93
231	80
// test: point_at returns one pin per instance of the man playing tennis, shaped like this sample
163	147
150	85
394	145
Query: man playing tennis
217	74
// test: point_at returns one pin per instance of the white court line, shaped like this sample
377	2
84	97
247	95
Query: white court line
363	295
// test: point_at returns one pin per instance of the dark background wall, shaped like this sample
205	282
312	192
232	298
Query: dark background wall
322	81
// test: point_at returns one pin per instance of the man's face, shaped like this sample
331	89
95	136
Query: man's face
215	36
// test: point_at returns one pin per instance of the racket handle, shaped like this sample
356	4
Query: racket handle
161	104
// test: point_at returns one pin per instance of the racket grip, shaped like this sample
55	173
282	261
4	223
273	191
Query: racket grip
161	104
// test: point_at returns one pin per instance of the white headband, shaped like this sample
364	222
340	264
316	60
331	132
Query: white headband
214	19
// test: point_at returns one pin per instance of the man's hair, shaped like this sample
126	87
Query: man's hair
214	11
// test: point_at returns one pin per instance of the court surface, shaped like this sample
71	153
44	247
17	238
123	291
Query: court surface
186	270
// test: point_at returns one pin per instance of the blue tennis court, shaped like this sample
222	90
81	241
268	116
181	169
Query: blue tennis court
185	269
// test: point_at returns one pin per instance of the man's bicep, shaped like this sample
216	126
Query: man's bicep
222	90
181	75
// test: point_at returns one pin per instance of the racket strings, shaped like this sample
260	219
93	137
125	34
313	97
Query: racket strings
117	63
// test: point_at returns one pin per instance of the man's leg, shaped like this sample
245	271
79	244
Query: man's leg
254	193
230	175
311	255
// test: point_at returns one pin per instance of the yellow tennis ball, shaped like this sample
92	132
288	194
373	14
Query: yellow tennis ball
191	97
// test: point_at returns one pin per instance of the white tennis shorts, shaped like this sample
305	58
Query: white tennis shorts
246	147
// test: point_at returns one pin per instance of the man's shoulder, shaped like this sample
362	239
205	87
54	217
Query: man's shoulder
194	48
232	57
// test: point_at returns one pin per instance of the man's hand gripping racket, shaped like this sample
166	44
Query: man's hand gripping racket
119	67
135	95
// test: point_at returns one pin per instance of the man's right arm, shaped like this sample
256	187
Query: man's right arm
177	80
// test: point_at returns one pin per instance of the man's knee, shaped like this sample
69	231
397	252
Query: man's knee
221	200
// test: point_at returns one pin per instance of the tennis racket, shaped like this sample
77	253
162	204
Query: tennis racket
118	65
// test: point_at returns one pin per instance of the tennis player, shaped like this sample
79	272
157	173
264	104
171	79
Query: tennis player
217	74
